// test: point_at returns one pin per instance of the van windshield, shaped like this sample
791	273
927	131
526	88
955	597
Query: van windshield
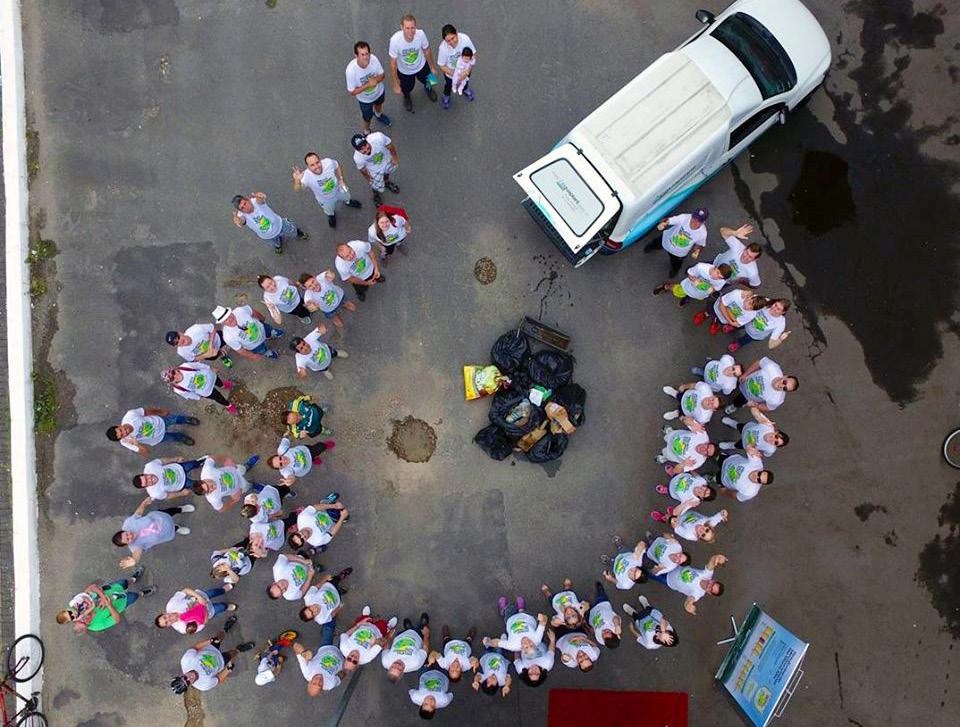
762	55
568	194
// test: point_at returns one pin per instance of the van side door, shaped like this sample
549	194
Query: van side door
744	133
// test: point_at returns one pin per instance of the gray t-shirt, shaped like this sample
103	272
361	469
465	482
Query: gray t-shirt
151	529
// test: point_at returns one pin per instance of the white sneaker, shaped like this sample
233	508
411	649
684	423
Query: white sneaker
188	508
727	445
730	409
670	391
627	608
668	415
328	375
392	623
643	601
342	354
661	459
365	611
183	530
732	423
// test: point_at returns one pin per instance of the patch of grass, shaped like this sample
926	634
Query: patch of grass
38	287
45	406
41	250
33	154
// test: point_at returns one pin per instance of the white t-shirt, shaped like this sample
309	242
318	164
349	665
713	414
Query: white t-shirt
229	480
686	580
170	478
249	332
447	56
179	603
328	661
766	325
573	642
263	220
327	597
365	640
294	573
714	376
622	564
234	558
682	444
648	627
407	647
360	267
358	77
544	659
319	523
679	238
660	551
687	523
735	302
741	270
433	683
455	650
301	461
197	382
601	619
148	430
323	185
735	475
395	234
320	356
681	485
285	297
272	533
199	335
758	386
753	436
691	402
704	284
329	297
565	599
491	664
378	161
520	626
268	504
206	662
409	54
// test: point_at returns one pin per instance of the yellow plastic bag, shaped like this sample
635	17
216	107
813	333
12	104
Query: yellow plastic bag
480	381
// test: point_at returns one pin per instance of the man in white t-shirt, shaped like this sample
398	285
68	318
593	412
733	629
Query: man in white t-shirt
295	461
762	434
223	484
451	47
365	83
205	666
740	255
322	601
490	674
694	583
701	281
291	577
281	296
695	402
763	385
692	525
720	374
457	655
144	428
410	61
246	331
322	669
358	266
255	213
318	524
602	621
375	156
407	651
312	353
321	294
769	322
432	693
167	479
688	448
324	178
650	627
361	643
666	553
626	566
683	235
200	342
742	476
577	651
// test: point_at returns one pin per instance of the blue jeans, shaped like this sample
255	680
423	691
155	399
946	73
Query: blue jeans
212	593
190	465
132	596
169	420
267	334
659	577
601	596
289	227
326	632
509	610
745	339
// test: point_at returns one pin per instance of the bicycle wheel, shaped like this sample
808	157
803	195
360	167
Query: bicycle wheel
32	719
24	658
951	449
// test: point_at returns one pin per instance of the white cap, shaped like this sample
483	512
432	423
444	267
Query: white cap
221	313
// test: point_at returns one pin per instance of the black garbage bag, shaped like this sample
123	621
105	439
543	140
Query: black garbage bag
509	352
573	398
551	369
494	441
551	447
513	412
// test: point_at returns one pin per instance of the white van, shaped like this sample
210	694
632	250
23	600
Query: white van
637	157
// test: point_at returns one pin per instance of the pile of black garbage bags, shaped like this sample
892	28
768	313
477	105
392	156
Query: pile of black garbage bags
540	431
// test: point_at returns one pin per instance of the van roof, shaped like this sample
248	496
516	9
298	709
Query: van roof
651	125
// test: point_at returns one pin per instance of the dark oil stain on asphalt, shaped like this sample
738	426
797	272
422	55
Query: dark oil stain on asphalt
866	509
940	565
880	233
412	440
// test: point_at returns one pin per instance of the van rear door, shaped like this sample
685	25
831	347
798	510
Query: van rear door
570	201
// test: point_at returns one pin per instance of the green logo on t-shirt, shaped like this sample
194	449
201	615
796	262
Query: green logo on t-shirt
329	598
323	520
734	472
287	295
681	239
299	574
263	222
169	476
689	402
760	322
146	429
320	355
686	575
679	446
328	185
272	531
329	662
199	381
330	297
702	285
360	265
735	310
690	518
458	649
300	458
712	372
519	627
751	437
432	684
410	56
404	645
619	564
269	504
363	636
252	331
659	551
227	481
209	663
755	386
378	157
682	484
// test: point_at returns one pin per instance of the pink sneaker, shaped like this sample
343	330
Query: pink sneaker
727	328
662	490
227	384
232	409
502	602
733	347
521	603
658	516
317	460
330	444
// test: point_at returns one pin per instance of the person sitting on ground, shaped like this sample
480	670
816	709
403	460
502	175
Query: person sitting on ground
361	643
625	571
457	653
666	553
602	622
318	524
568	609
407	651
694	583
231	564
270	658
523	633
321	602
291	577
98	607
189	609
762	434
695	401
204	666
687	449
491	673
577	651
142	429
433	693
690	524
265	503
304	419
649	626
324	669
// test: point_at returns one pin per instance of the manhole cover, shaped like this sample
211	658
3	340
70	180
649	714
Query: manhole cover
412	440
485	271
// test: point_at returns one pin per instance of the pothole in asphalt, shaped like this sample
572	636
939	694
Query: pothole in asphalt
412	440
485	270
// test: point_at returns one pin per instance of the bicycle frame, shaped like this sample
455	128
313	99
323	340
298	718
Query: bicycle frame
29	704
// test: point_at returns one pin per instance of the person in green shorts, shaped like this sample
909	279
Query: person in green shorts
304	419
98	608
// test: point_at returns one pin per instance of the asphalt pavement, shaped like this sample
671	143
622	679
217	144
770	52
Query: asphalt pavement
153	114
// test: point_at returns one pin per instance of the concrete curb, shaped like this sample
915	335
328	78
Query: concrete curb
23	473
